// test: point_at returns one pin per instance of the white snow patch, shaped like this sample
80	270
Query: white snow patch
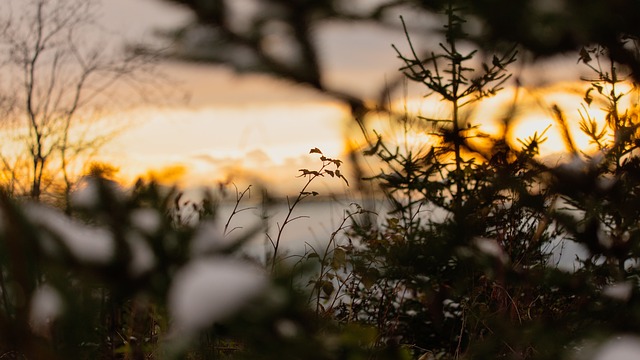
87	196
575	166
86	243
287	328
563	207
619	348
208	238
491	248
147	220
207	290
450	303
242	13
142	257
46	306
620	291
605	183
603	238
598	158
451	309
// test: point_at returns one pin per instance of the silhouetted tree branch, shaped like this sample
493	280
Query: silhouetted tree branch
544	28
57	75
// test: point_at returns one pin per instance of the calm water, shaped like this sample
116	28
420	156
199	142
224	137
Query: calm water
317	220
314	223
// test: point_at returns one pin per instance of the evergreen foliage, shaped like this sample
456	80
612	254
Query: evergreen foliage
460	264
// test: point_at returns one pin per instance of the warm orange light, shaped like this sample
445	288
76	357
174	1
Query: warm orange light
269	143
523	112
263	142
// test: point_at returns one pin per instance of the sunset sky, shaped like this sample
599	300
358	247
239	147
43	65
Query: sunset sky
262	127
250	124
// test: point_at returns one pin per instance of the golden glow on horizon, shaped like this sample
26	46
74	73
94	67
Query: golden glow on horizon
267	143
211	143
531	114
270	142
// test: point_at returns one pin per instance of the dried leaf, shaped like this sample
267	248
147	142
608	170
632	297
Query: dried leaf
587	98
339	258
345	180
497	63
327	287
584	56
374	149
598	87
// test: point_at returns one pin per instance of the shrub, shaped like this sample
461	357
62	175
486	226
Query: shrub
460	266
